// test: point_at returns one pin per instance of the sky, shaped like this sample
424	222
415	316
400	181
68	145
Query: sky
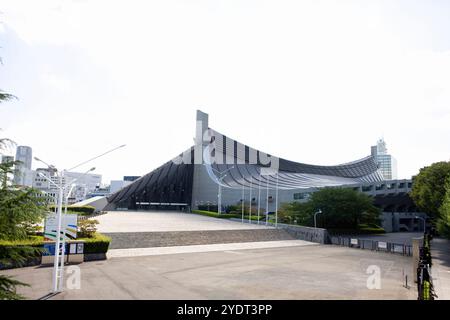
310	81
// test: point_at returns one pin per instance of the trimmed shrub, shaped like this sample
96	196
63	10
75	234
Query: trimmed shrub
211	208
32	241
360	231
99	243
82	210
26	252
87	228
215	214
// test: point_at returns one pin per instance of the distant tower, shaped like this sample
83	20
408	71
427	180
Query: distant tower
386	163
22	172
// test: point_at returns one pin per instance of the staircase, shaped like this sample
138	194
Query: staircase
125	240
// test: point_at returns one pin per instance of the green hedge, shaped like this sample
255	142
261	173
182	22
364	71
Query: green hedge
83	210
254	217
363	229
32	241
99	243
215	214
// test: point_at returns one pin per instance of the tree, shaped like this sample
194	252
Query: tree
342	208
297	213
443	222
18	208
428	189
4	142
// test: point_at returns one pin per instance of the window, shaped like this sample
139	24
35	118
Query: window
301	196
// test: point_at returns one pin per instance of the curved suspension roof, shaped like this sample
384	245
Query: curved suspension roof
172	182
237	171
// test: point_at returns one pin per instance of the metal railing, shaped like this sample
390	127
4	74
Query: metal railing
425	288
374	245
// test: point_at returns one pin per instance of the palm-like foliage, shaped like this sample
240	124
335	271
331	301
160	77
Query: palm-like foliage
18	208
5	96
4	142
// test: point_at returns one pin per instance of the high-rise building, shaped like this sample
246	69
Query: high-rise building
84	183
386	162
23	175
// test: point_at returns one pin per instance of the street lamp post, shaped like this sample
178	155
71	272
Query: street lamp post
222	175
424	223
315	217
57	271
219	195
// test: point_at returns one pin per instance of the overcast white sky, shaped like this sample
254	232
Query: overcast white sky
311	81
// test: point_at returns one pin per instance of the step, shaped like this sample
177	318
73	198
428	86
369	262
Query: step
125	240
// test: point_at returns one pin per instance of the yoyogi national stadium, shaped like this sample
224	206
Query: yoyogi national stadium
220	171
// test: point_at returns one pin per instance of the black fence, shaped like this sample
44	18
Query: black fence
374	245
425	288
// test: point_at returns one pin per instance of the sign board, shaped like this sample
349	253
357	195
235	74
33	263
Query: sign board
382	245
69	225
354	241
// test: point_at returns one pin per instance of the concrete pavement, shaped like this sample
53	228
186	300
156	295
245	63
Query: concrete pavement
154	221
136	252
299	272
440	252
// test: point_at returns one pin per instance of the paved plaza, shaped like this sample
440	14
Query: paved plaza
296	272
154	221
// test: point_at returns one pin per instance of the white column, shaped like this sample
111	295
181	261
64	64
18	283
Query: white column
219	200
267	201
276	204
243	196
259	196
250	203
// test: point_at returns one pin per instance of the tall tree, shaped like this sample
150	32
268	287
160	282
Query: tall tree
18	209
4	142
428	189
443	223
342	208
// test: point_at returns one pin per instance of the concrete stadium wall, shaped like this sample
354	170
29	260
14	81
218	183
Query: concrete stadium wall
317	235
